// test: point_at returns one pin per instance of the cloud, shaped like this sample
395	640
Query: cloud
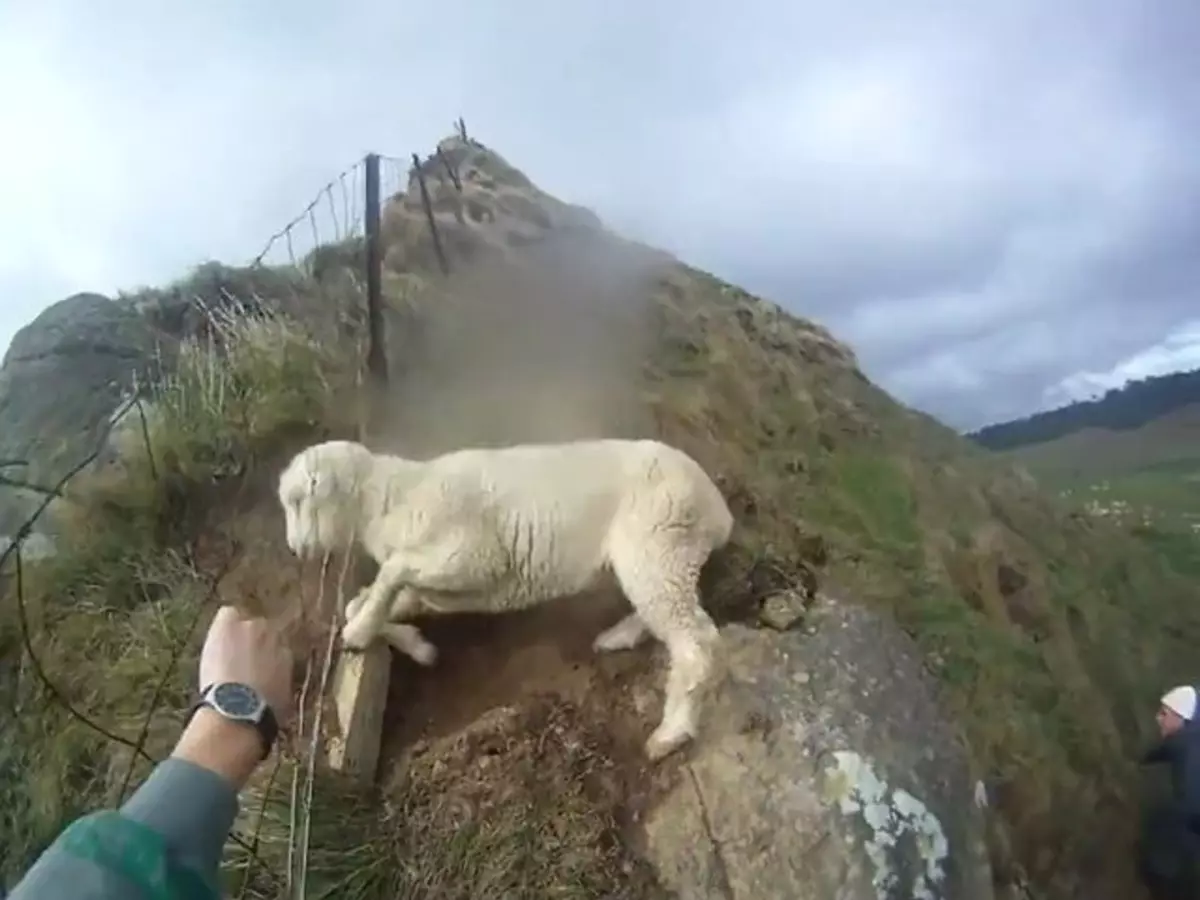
991	201
1179	351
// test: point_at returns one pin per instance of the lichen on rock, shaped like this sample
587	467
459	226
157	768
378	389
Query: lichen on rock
787	811
890	814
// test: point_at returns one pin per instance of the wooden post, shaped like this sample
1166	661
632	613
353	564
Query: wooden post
360	680
360	689
450	170
377	363
443	262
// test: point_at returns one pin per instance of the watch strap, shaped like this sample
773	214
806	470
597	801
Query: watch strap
267	725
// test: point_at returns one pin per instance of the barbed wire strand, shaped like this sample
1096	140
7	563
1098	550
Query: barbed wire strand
177	650
286	229
345	202
13	551
141	411
294	807
27	526
258	824
176	653
358	187
49	686
312	223
337	228
314	745
396	177
297	856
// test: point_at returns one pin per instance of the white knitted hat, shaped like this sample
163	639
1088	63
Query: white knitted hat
1181	700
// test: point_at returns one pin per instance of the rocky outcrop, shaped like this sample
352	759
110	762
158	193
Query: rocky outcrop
826	771
61	378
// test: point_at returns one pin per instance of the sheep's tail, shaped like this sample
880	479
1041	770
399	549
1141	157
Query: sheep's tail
716	519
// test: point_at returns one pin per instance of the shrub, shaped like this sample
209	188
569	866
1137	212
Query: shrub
116	613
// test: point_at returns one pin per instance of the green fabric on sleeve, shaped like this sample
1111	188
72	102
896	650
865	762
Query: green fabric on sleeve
135	852
164	844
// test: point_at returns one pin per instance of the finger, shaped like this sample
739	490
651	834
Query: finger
226	615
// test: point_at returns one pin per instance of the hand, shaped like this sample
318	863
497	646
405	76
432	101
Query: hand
252	652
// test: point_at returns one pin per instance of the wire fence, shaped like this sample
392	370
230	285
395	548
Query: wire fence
343	215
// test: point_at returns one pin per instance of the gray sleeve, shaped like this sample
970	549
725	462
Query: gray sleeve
189	807
192	808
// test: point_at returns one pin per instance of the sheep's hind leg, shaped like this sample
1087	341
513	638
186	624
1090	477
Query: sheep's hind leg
661	583
625	635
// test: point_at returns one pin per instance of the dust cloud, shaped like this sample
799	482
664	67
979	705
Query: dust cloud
547	346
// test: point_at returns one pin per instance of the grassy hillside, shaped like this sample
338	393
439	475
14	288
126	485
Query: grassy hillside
1045	628
1144	475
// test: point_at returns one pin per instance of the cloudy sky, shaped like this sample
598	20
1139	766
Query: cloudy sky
997	203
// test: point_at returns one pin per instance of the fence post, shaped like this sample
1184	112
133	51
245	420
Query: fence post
360	680
377	364
439	251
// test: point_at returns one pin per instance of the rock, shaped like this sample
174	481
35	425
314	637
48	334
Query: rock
783	611
856	788
35	547
61	378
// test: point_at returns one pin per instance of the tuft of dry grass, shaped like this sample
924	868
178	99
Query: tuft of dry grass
1051	637
523	804
115	615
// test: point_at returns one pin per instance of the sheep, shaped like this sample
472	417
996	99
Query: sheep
494	530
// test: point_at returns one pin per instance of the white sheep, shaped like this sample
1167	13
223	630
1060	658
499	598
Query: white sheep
493	530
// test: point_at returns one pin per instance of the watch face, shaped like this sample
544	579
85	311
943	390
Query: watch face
238	701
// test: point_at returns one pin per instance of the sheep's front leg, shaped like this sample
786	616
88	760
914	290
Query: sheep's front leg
408	640
460	562
373	606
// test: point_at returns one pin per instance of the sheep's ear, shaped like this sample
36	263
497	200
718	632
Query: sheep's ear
322	483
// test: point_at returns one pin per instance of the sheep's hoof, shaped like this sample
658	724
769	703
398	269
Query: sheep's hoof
354	638
663	743
356	603
425	654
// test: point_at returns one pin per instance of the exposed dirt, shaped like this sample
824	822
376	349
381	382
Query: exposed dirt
521	726
514	766
524	660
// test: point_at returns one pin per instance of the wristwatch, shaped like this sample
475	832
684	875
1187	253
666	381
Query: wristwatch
241	703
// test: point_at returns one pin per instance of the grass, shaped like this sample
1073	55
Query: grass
1047	631
520	805
516	807
1051	632
123	596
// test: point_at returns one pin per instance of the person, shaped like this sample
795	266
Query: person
166	840
1170	845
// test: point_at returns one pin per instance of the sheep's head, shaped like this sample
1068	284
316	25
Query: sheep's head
320	491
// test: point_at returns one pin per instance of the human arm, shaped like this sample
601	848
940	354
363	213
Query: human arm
166	841
1165	750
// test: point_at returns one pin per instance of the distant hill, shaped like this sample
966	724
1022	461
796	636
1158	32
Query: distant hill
1122	409
1131	457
